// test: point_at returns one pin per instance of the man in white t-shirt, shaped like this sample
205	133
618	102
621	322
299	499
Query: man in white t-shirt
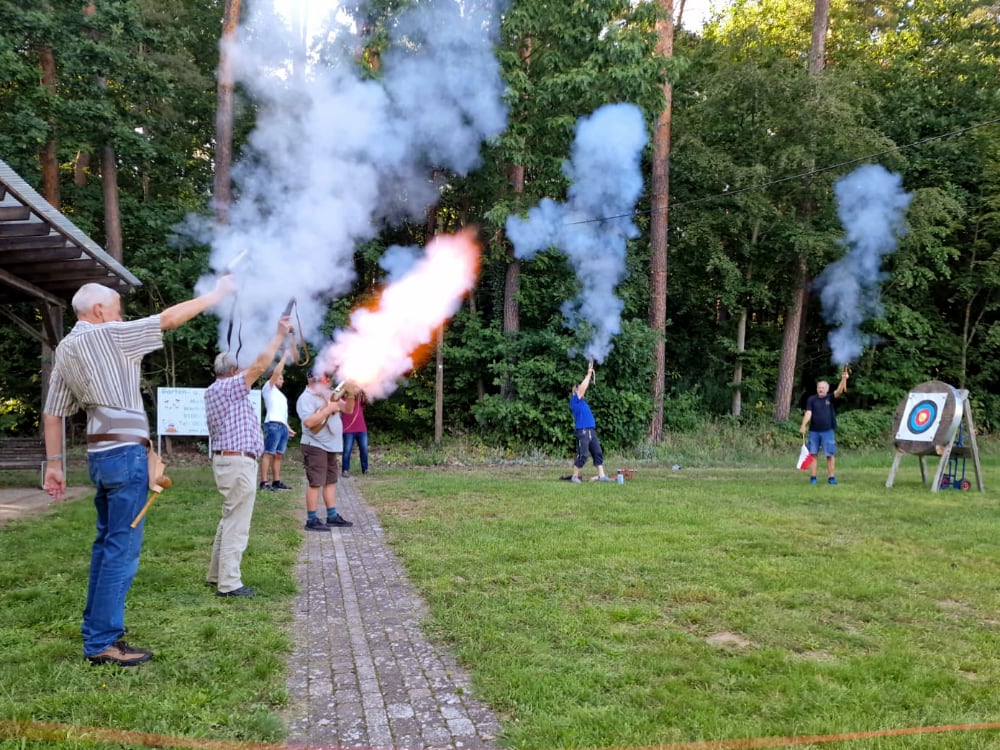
276	428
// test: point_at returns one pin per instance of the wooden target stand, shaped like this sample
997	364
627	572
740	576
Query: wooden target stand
926	424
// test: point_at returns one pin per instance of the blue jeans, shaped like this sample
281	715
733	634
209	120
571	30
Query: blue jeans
362	440
275	438
121	479
822	439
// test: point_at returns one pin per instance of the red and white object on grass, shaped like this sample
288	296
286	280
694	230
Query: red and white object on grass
806	459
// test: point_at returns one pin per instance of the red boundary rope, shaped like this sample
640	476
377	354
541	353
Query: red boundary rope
39	731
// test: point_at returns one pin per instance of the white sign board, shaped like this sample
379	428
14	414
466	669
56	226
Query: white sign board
181	411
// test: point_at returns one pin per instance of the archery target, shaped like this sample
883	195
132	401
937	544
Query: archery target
921	416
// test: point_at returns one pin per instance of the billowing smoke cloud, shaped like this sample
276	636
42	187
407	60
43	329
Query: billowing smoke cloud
872	205
606	180
397	261
335	154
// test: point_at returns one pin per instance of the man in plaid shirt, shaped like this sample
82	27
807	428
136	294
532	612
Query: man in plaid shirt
237	442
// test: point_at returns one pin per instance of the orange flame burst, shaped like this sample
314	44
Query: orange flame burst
388	335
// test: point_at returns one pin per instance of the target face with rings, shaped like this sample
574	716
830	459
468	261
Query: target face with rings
921	417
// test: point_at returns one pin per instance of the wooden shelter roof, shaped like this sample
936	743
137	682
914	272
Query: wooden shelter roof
44	258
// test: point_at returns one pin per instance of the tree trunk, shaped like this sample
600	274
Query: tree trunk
224	114
48	156
432	228
790	347
439	389
112	209
741	333
55	315
796	312
80	167
659	206
817	49
512	277
109	173
741	345
463	221
512	287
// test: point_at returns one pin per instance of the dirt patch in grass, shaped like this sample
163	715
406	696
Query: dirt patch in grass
725	639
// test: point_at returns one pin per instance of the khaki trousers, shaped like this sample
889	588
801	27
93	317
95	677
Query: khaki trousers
236	479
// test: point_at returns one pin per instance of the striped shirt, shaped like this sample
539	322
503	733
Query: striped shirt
97	368
232	420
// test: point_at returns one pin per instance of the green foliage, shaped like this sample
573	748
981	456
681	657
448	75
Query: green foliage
13	415
20	380
684	411
539	416
865	428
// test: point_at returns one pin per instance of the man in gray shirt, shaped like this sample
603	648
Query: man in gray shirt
322	442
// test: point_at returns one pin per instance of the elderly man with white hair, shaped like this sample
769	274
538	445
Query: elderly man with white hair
97	368
237	442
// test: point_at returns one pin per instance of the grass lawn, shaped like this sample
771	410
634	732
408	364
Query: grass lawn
715	602
710	603
219	665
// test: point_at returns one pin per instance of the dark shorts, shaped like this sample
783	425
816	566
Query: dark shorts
322	468
275	437
587	444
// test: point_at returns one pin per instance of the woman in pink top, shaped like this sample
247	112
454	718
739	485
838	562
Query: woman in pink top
356	431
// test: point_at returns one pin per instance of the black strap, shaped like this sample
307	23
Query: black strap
229	331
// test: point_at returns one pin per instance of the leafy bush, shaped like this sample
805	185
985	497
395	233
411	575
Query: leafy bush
15	417
541	368
684	412
865	428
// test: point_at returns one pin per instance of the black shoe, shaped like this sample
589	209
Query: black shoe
213	584
265	486
338	520
122	654
314	524
241	591
279	485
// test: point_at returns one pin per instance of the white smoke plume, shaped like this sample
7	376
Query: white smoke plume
606	180
335	154
397	261
871	204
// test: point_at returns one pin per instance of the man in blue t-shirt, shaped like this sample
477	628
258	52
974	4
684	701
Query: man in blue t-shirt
821	420
586	431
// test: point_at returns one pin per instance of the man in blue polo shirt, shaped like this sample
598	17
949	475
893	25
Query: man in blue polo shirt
821	420
586	431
